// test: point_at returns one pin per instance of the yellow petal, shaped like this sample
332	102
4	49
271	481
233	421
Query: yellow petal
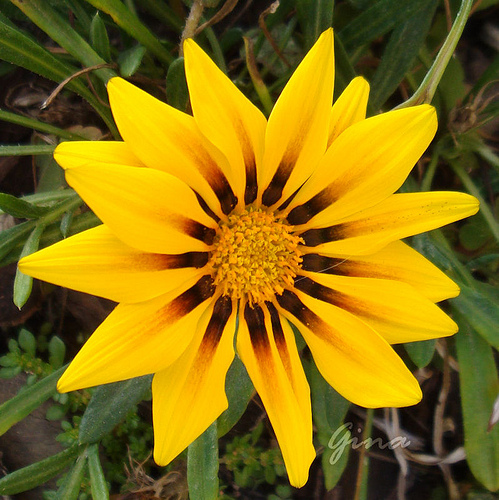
227	118
351	356
167	139
297	131
268	350
79	153
190	394
397	217
397	261
394	309
349	108
145	208
365	165
96	262
138	339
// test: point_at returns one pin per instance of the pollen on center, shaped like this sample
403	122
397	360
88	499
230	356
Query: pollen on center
255	255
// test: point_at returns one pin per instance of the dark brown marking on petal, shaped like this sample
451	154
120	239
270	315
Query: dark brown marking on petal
255	320
273	192
279	338
223	190
215	177
291	302
198	231
303	213
188	259
329	265
314	237
334	297
251	189
219	317
191	298
284	205
206	208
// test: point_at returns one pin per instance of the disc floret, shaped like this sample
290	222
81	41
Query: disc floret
255	255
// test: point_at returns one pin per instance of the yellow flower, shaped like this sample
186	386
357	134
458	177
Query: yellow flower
222	215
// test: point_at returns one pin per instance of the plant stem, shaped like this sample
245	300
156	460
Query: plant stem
428	86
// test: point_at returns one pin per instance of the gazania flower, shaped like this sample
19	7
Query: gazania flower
224	215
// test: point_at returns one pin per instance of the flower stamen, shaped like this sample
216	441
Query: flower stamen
255	255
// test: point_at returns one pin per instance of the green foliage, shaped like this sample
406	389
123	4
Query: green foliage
393	43
250	463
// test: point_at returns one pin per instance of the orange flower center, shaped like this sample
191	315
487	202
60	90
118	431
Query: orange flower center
255	255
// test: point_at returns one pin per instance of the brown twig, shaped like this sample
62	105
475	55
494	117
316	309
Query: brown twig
83	71
266	32
224	11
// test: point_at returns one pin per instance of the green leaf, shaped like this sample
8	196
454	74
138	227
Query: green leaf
202	466
36	474
20	406
421	353
239	390
71	486
176	85
329	410
60	30
315	17
22	282
99	38
28	150
97	479
19	49
481	309
57	351
478	386
31	123
20	208
126	20
27	341
377	20
130	60
109	405
396	62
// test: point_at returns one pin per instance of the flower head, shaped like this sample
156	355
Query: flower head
221	214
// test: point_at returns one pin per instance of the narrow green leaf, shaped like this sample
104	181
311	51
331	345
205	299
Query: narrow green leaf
395	63
97	479
202	466
481	310
38	125
375	21
329	410
60	30
239	389
22	282
315	17
109	405
15	409
19	49
176	85
129	23
28	150
36	474
71	486
478	386
130	60
164	13
421	353
99	38
10	238
20	208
